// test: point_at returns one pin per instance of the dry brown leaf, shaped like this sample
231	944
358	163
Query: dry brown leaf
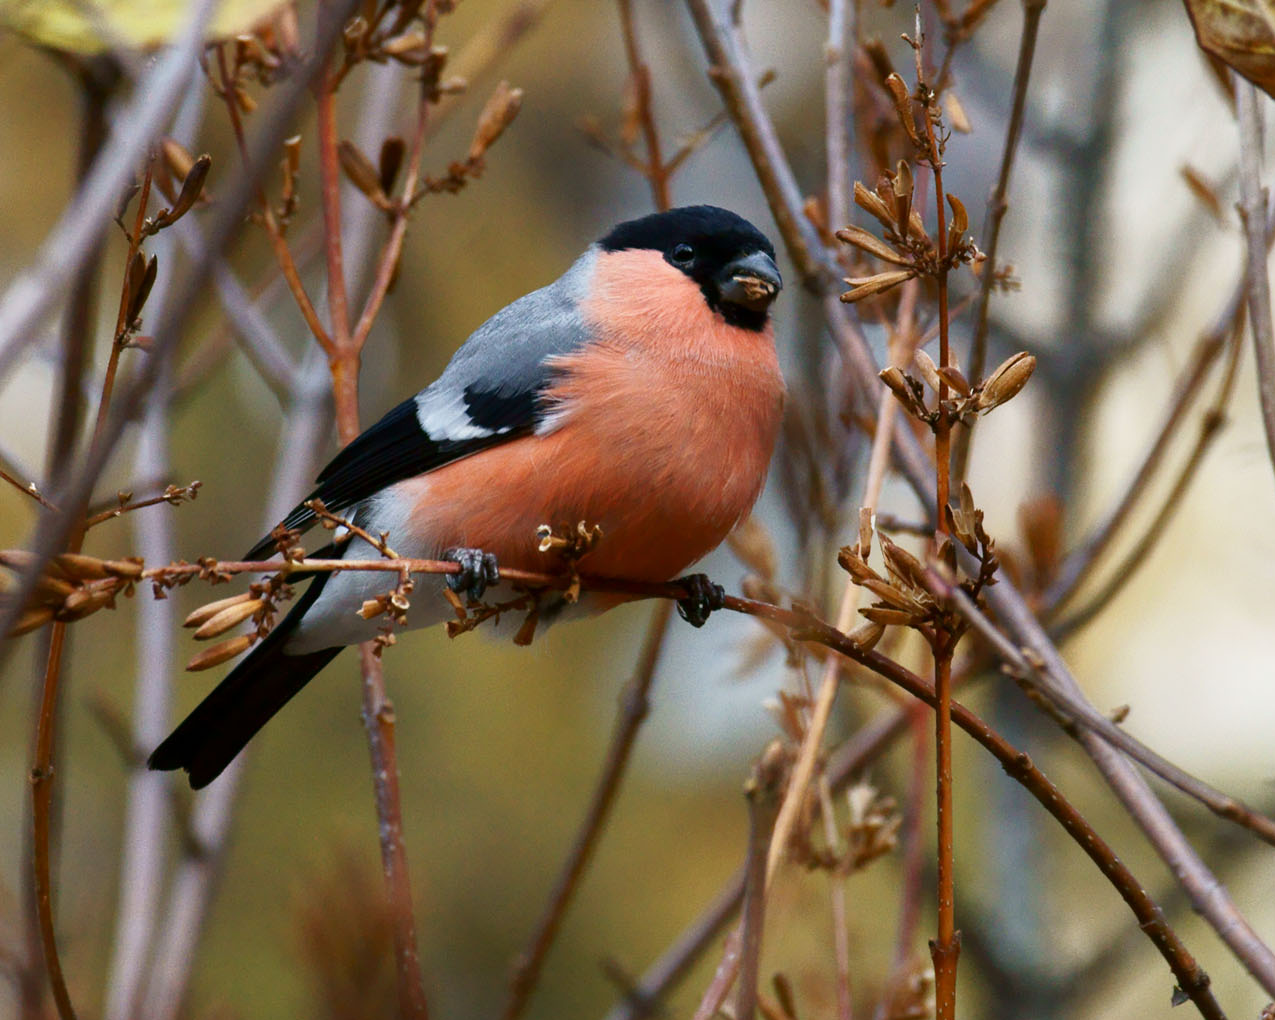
1240	33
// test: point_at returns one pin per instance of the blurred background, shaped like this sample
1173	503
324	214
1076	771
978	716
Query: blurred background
1122	266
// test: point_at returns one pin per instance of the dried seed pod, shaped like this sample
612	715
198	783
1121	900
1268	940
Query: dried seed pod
879	57
176	157
292	153
902	105
870	202
31	619
372	608
887	617
861	239
894	378
411	48
889	594
866	635
205	613
229	617
85	601
130	569
854	565
902	187
52	590
955	378
81	567
391	161
956	113
222	652
527	630
929	371
867	286
902	563
1003	384
192	188
141	278
362	174
498	114
960	223
866	526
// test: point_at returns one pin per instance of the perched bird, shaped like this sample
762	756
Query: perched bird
640	392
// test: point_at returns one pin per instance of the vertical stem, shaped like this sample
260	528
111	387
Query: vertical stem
657	174
330	188
378	718
946	947
41	812
378	710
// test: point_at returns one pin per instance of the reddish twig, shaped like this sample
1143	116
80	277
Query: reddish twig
656	172
378	719
945	949
28	490
278	243
378	711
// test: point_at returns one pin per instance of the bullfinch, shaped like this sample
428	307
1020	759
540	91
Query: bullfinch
640	391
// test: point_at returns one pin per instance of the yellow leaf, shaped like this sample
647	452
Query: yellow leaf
91	26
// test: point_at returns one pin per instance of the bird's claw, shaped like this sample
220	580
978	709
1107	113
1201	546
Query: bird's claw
702	599
478	569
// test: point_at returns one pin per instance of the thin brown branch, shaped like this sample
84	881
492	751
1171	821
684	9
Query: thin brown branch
28	490
174	496
634	706
41	815
946	948
379	720
121	320
997	206
278	243
656	172
1253	211
837	902
387	264
330	200
764	791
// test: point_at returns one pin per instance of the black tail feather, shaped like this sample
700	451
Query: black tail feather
222	724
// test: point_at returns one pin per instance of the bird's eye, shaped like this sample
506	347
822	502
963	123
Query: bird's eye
683	254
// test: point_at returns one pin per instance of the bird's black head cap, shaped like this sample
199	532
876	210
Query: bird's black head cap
732	261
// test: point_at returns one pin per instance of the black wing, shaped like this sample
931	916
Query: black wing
489	393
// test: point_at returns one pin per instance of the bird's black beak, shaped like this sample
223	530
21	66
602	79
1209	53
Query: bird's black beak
752	282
